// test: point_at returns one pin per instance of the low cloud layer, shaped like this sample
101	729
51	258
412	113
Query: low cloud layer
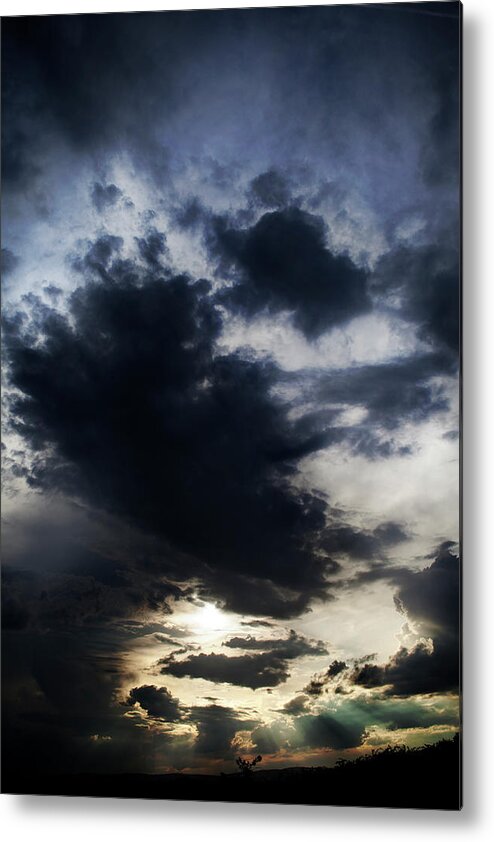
347	725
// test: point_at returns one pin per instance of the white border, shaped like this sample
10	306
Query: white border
52	819
44	7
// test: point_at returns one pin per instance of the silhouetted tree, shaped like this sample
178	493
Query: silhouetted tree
246	766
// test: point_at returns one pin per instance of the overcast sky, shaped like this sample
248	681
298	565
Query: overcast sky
230	281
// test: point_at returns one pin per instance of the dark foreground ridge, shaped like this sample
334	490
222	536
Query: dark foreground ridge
425	778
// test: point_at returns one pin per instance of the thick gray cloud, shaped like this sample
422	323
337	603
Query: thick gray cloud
105	196
270	189
285	265
158	702
392	392
217	725
9	261
88	590
144	76
66	717
405	390
153	248
431	600
126	406
319	683
293	646
268	668
361	544
258	624
427	279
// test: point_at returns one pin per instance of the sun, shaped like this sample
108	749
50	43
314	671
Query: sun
209	618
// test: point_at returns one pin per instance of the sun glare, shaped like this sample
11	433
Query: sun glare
209	618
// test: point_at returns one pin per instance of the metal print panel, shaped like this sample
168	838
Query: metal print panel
231	276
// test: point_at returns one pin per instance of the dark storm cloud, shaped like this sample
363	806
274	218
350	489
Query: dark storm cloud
9	261
285	265
440	155
335	668
315	686
318	684
99	255
96	595
361	544
428	281
67	716
405	390
293	646
70	567
254	671
392	392
440	159
246	594
15	612
158	702
217	725
430	599
262	624
66	705
270	189
105	196
126	406
53	292
107	85
390	533
190	215
93	81
376	572
153	248
266	669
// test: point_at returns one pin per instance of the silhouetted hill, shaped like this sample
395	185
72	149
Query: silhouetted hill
425	778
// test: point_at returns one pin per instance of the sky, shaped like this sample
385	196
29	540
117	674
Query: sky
230	274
